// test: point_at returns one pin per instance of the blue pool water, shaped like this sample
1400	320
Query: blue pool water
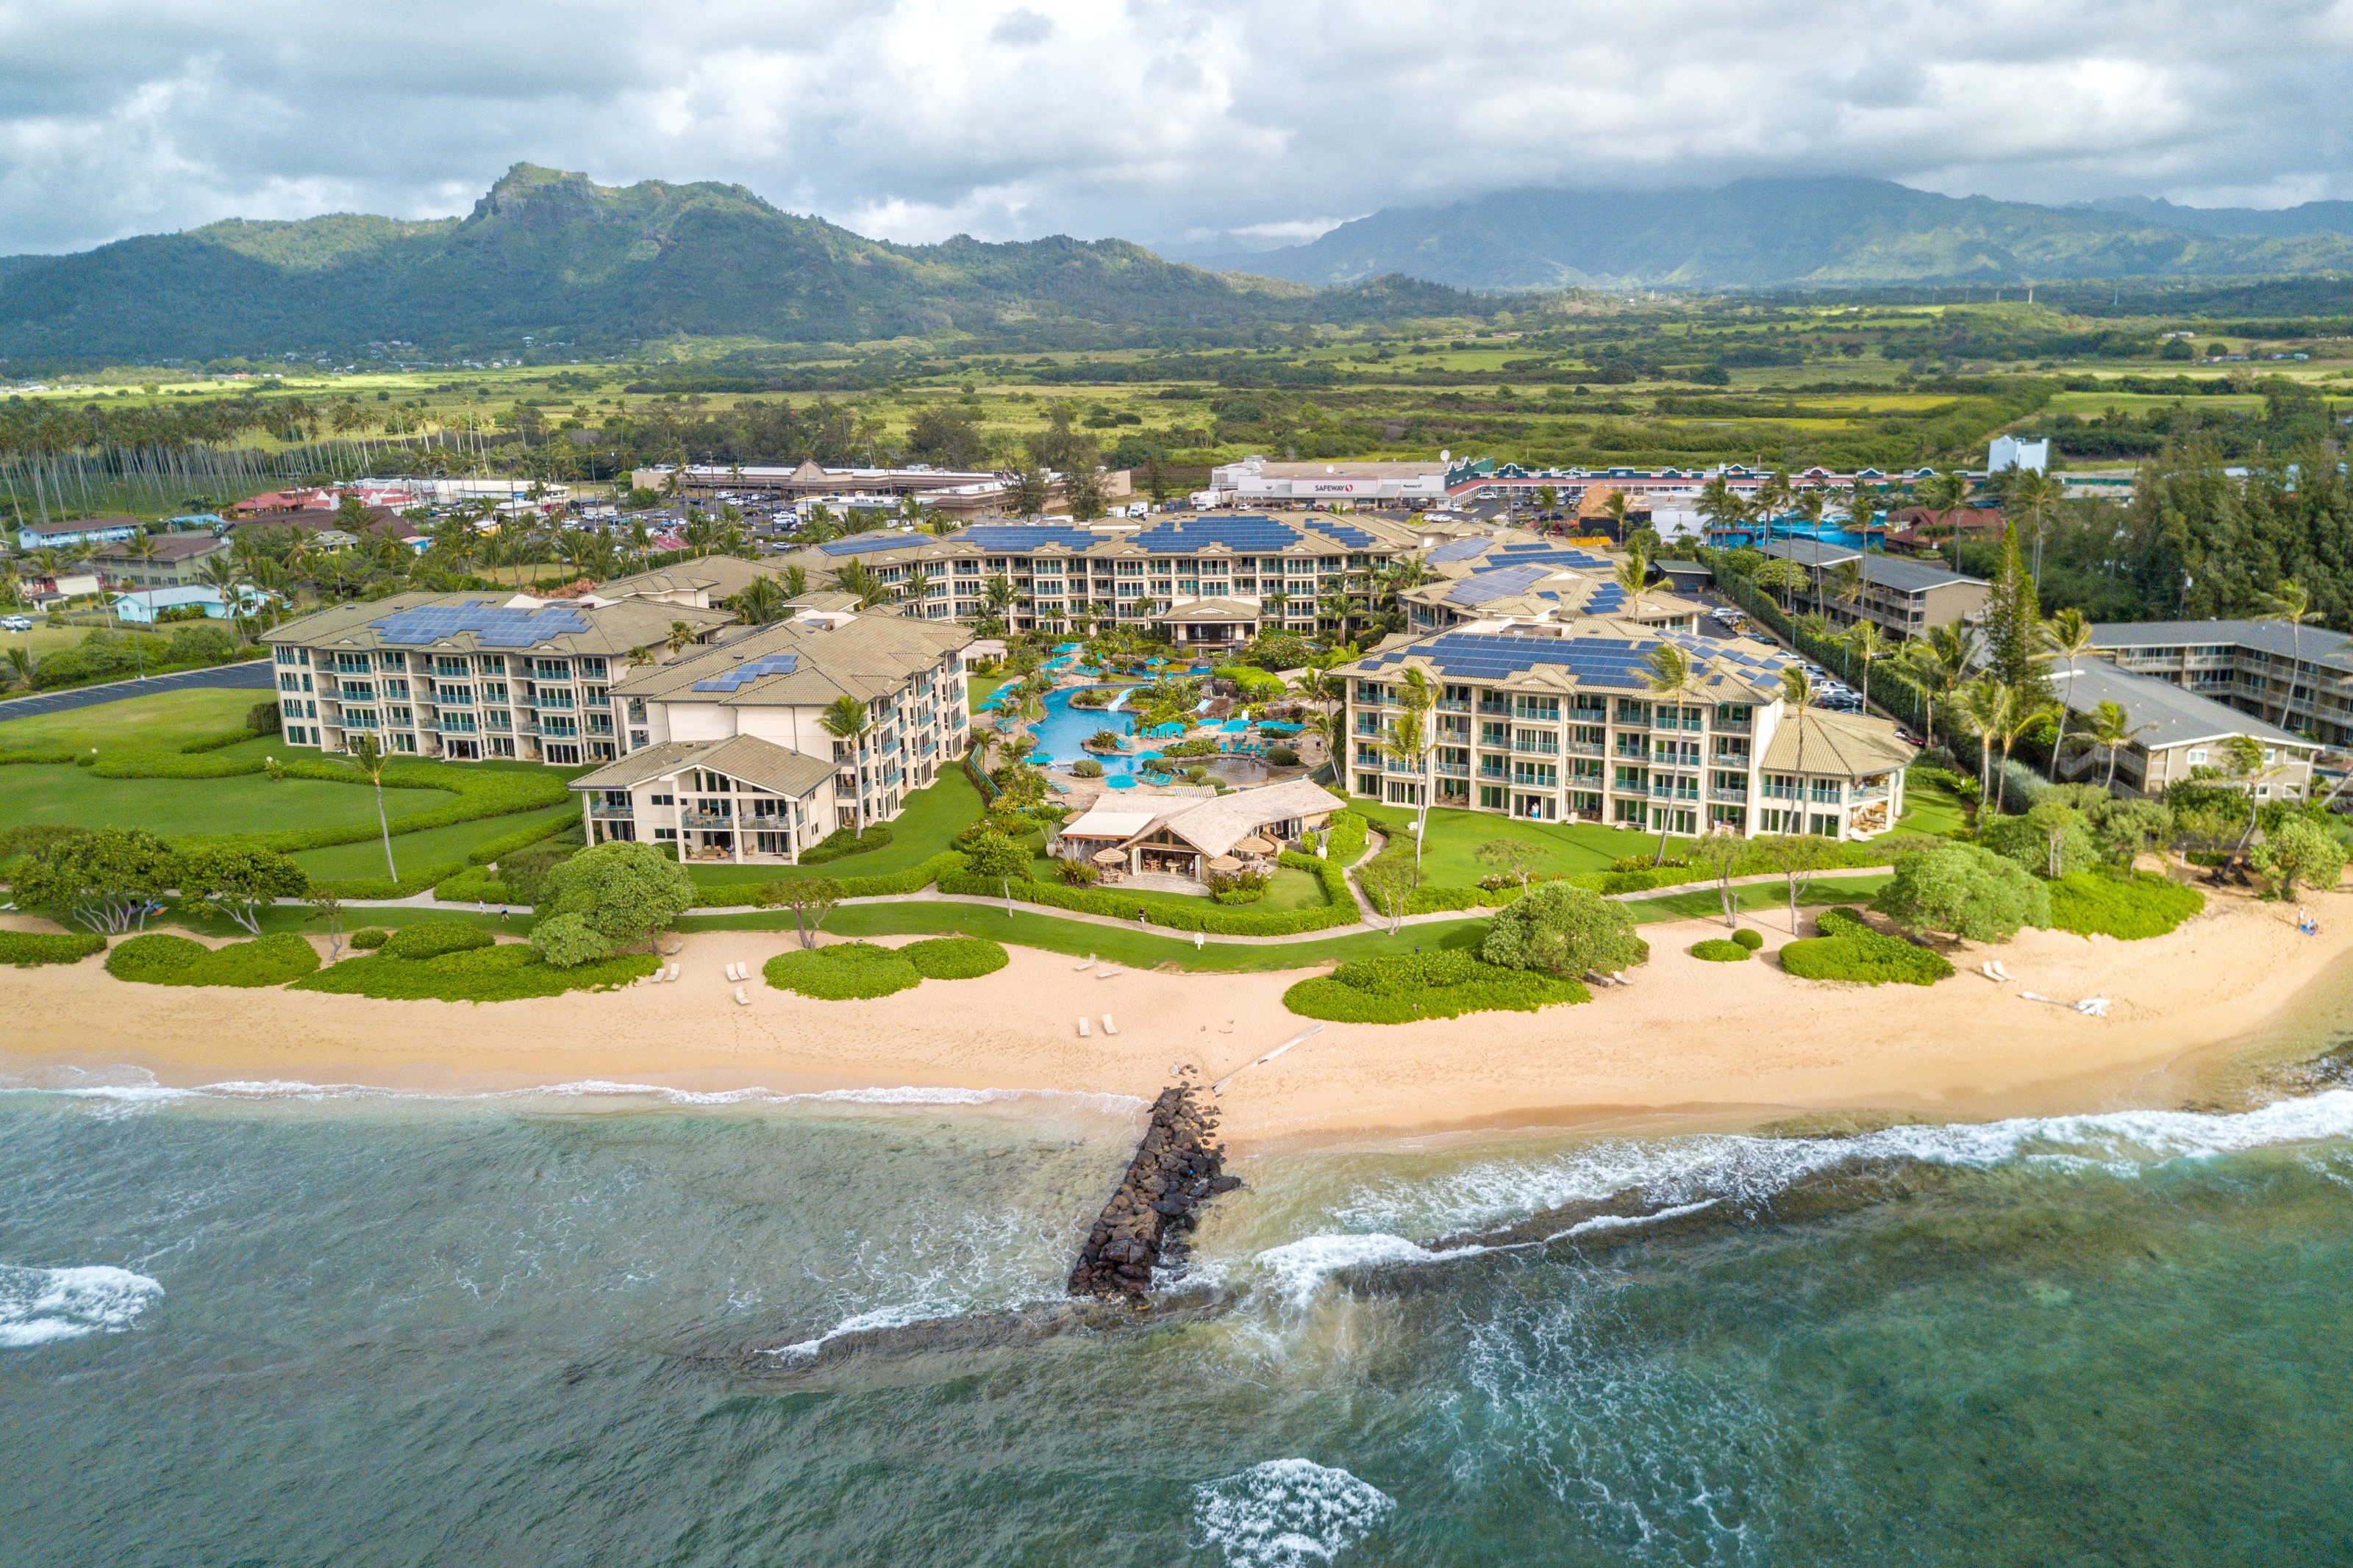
1061	734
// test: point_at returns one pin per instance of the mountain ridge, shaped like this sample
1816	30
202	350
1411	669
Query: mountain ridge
1827	231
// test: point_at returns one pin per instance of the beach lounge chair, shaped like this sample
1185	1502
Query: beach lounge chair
743	998
1082	1027
1090	964
672	975
1112	974
2000	970
1110	1028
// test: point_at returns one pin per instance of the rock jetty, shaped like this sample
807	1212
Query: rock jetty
1178	1166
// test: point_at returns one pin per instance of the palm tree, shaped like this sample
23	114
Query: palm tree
1941	660
2031	495
796	582
2111	730
1276	603
1989	706
1634	578
1844	582
1338	607
2289	602
1670	674
2067	636
847	720
2024	716
1797	693
1944	494
1616	507
861	581
369	759
1865	644
1410	742
681	636
1778	572
761	602
998	595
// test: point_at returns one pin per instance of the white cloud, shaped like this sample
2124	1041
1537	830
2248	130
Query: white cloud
1203	120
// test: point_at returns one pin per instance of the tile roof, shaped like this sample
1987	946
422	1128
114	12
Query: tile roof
763	765
721	576
864	658
2266	637
1854	744
467	621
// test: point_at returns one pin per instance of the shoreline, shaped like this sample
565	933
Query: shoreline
1686	1047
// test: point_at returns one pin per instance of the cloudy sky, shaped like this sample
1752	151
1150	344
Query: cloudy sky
1201	125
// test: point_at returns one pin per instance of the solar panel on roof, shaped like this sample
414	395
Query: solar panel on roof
1486	587
1461	550
1243	534
492	624
750	670
1345	533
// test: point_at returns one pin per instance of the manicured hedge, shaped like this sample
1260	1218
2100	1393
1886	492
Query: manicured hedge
1217	919
843	843
2127	904
157	959
431	939
56	756
221	742
509	971
1718	950
845	972
914	879
418	878
1849	949
1749	937
954	957
368	938
1407	988
27	948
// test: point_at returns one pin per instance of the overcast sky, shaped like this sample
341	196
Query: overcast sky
1199	124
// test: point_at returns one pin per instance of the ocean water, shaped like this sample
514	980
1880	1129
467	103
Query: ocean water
268	1324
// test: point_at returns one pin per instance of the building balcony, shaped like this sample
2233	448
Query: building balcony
1543	748
612	813
706	818
1738	797
1454	770
1586	749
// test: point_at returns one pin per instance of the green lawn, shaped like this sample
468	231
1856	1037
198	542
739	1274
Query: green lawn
1704	903
1286	889
1136	949
1449	855
927	824
245	804
411	850
977	688
1931	808
160	721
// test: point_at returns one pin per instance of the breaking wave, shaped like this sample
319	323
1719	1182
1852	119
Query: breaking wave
41	1305
1286	1512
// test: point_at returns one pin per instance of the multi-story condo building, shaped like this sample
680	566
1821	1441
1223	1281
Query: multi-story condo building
1212	581
2175	734
2298	678
731	755
1512	577
1903	597
470	676
1564	723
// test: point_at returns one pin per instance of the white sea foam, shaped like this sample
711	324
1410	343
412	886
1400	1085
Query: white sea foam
1741	1169
40	1306
1286	1512
897	1316
1299	1267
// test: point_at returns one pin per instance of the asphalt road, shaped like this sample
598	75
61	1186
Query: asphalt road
256	676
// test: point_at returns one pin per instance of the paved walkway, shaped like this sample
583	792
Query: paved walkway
255	675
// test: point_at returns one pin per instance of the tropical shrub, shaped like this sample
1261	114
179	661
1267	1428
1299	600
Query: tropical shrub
431	939
507	972
368	938
1968	891
1282	756
237	882
1407	988
105	880
1087	768
1717	950
1850	949
954	957
567	942
2126	904
1563	930
625	892
1749	937
2050	841
1080	873
845	841
848	971
27	948
2299	850
157	959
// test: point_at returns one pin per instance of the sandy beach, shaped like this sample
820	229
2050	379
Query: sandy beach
1722	1042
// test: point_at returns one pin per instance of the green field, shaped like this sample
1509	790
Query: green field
160	721
927	824
1450	850
248	803
1932	808
432	847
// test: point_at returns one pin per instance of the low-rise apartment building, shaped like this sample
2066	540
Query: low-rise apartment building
1903	596
171	560
730	752
1558	724
31	536
466	677
2298	678
1212	581
2176	732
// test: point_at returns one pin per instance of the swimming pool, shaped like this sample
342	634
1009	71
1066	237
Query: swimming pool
1062	732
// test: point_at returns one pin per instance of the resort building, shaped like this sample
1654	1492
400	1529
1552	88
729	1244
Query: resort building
1191	837
707	582
731	751
1254	481
1564	724
2175	732
465	677
1212	582
2300	680
1903	597
1509	577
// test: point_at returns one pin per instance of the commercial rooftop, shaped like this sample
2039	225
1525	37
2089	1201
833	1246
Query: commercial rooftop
1606	655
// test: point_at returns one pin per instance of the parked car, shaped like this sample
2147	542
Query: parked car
16	624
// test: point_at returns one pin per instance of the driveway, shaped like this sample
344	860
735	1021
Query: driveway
255	676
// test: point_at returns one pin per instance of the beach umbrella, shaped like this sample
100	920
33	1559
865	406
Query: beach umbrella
1225	863
1111	857
1254	845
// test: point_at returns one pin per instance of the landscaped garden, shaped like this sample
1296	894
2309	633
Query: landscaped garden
851	970
926	826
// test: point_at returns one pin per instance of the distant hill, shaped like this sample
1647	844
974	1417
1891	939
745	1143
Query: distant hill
1756	233
558	258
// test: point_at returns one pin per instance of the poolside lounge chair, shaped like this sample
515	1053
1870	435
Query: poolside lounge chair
743	998
1082	1026
1110	1028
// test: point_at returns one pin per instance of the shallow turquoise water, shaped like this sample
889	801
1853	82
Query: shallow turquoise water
259	1328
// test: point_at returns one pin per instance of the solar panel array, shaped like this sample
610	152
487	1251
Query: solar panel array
1607	600
867	543
1012	538
1460	550
1346	533
492	624
1504	583
1244	535
1475	656
751	669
